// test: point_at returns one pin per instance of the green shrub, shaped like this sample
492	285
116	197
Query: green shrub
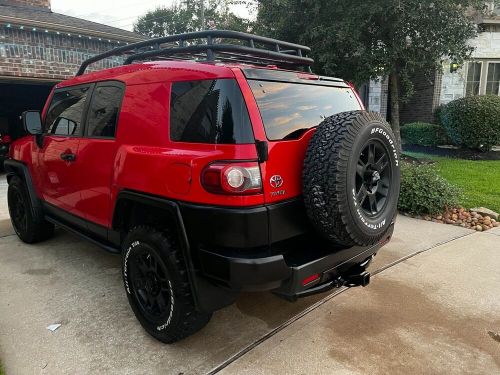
423	134
423	191
473	122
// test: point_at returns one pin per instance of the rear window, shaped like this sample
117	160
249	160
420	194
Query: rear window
209	111
288	109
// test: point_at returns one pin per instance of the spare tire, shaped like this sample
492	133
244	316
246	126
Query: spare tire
351	178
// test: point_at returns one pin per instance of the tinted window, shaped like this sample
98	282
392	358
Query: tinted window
209	111
289	108
103	113
64	116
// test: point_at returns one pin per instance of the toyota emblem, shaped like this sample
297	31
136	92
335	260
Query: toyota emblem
276	181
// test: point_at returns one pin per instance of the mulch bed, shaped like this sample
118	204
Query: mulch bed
457	153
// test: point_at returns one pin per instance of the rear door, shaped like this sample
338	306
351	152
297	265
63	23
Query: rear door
58	169
291	105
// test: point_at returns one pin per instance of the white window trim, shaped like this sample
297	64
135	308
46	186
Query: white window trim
467	75
488	62
483	79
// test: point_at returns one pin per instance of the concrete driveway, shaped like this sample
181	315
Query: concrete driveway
437	311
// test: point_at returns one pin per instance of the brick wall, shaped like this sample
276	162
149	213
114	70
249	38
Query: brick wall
36	3
421	106
36	54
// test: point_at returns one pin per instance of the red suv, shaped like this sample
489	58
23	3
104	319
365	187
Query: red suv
223	165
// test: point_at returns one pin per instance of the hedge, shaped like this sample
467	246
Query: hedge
473	122
423	191
424	134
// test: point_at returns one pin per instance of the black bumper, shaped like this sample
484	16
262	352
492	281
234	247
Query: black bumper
267	248
279	274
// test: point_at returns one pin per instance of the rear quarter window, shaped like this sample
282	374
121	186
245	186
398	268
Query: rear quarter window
209	111
287	108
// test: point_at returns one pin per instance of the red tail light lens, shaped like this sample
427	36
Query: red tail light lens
232	178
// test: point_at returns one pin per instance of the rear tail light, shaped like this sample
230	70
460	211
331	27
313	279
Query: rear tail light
232	178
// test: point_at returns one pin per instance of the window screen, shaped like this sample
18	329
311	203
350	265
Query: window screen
64	116
103	113
209	111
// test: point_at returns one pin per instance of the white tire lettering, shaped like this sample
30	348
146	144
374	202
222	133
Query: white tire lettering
391	143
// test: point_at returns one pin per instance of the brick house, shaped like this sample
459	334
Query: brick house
39	48
478	76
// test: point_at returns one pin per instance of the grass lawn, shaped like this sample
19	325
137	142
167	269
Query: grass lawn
479	180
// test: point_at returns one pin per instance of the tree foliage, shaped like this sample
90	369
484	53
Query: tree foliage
360	40
187	17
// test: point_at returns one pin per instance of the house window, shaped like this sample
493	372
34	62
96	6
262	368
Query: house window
473	78
493	79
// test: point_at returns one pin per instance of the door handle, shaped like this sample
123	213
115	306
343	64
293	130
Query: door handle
68	156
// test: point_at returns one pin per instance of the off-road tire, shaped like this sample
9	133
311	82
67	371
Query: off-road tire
330	173
30	225
182	318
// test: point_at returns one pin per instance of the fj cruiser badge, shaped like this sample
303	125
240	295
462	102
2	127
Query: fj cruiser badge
276	181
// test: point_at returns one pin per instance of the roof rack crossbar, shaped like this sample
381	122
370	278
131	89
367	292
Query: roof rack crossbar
278	52
248	52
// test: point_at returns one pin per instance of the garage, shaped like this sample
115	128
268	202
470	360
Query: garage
17	96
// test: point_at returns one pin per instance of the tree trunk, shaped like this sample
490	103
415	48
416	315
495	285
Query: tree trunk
394	87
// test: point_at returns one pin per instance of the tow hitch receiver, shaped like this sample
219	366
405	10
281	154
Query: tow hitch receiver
361	279
358	276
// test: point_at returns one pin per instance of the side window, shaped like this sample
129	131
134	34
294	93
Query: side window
209	111
64	116
104	110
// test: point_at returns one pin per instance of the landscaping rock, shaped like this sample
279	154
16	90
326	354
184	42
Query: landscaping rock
478	220
485	212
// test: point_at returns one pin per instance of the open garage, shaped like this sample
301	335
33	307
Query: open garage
17	96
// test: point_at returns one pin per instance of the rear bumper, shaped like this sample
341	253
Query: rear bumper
267	248
278	273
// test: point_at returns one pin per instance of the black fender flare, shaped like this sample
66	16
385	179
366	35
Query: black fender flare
17	168
208	297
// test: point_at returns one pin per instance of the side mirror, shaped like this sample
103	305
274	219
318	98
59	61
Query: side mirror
32	122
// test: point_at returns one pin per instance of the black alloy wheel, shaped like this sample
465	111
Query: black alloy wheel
150	283
28	221
18	214
373	178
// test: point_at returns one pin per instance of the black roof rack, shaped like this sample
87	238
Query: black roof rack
245	48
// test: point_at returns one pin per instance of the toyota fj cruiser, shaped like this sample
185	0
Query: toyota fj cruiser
216	163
